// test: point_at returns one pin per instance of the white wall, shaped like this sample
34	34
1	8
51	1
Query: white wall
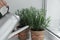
18	4
53	10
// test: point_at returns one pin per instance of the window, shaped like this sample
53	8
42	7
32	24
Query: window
53	10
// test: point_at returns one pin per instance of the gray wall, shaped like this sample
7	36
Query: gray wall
53	10
19	4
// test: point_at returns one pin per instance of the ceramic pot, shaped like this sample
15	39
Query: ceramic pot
37	35
23	35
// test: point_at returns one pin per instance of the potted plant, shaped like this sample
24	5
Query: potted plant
38	22
22	23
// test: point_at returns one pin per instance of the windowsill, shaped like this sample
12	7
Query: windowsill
54	31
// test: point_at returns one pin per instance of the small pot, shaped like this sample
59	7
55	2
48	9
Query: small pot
37	35
24	34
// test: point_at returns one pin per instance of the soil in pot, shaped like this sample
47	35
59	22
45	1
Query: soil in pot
37	35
